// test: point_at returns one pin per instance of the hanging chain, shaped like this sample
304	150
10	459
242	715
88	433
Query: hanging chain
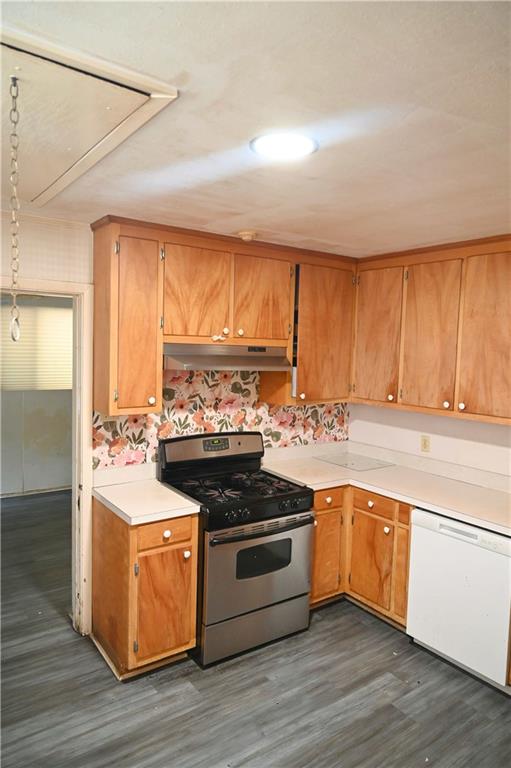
15	206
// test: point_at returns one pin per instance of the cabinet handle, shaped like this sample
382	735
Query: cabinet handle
370	504
446	404
240	331
226	331
328	499
390	397
151	400
167	534
461	406
302	395
386	530
187	554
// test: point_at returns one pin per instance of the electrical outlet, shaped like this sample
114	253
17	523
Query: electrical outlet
425	443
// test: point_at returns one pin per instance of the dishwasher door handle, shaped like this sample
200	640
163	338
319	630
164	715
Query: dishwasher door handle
451	529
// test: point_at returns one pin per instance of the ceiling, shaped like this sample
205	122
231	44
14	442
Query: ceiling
410	103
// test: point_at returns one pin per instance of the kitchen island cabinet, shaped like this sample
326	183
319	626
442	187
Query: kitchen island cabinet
144	589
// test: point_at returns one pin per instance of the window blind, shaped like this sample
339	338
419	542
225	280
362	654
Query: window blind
43	357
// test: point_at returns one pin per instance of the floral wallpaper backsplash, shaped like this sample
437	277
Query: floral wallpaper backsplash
212	401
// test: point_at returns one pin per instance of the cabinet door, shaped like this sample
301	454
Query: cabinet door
262	298
430	334
325	323
326	561
372	543
197	291
139	335
165	602
377	334
400	574
485	361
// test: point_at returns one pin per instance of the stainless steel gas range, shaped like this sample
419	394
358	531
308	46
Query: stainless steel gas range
255	541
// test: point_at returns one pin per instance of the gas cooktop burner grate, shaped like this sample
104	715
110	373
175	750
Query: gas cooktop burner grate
237	485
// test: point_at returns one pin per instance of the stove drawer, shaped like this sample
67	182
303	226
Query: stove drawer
165	532
329	498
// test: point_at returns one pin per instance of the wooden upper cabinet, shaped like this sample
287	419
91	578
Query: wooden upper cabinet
430	334
262	298
128	307
139	346
372	544
485	355
197	291
377	334
325	322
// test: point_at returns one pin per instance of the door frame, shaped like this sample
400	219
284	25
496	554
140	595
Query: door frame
81	494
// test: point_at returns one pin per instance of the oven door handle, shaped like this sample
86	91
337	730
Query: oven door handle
260	535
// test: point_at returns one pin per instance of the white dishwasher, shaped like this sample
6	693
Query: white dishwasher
459	596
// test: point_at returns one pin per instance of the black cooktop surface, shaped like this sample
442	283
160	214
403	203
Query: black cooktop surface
242	487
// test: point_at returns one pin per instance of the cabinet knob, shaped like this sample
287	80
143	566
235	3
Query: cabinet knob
370	504
167	534
386	530
218	337
315	523
226	331
187	554
302	395
461	406
390	397
151	400
328	499
240	331
446	404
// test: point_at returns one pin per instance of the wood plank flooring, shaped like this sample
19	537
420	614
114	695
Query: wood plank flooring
350	693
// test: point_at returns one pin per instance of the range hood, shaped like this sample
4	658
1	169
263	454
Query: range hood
217	357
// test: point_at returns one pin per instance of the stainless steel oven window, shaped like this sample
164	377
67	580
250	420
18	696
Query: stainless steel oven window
263	559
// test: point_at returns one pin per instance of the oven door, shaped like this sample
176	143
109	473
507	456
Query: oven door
257	565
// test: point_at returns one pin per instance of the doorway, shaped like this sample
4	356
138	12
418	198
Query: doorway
46	437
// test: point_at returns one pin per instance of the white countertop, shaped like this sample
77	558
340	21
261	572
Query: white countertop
472	504
144	501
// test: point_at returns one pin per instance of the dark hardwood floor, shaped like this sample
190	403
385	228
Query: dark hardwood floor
350	693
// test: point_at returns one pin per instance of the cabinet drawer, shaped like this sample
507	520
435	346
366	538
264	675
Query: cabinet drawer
330	498
403	514
371	502
164	532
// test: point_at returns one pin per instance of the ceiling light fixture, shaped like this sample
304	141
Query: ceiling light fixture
283	146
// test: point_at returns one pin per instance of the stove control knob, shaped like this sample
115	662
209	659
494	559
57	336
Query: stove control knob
245	514
232	516
295	503
284	505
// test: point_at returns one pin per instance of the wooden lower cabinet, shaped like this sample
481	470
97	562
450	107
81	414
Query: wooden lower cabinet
377	555
372	544
326	561
144	589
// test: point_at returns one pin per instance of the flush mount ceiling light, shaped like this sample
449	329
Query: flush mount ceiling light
283	146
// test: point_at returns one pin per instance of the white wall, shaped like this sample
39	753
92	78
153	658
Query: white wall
469	443
36	440
50	249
